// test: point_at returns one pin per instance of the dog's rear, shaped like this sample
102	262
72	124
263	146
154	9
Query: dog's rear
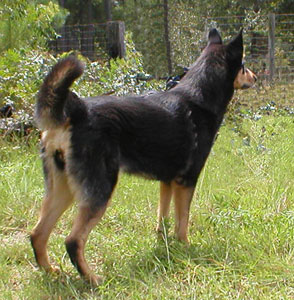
54	92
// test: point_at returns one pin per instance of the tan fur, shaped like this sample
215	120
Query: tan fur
245	79
57	199
182	198
164	204
58	195
58	138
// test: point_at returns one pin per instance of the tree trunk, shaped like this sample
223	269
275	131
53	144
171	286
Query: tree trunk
62	3
166	37
85	12
107	9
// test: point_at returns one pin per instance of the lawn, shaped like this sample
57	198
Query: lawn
241	228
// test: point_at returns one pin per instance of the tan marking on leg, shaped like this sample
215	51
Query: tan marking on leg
57	199
57	139
85	221
182	198
58	193
164	204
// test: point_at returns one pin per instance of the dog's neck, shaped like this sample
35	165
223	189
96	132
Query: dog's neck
208	84
212	100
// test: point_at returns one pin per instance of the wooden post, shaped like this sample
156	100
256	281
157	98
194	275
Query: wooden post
271	46
116	39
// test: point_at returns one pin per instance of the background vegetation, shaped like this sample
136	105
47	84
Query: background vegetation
241	228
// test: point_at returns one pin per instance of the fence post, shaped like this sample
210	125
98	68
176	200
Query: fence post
271	46
116	39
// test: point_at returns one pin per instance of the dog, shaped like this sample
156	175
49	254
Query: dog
166	136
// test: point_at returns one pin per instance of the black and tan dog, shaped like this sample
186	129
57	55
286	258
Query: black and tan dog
165	136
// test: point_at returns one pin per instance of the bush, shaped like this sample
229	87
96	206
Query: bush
22	72
28	24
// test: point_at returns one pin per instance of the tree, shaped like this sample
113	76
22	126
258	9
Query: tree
108	9
84	11
28	23
166	37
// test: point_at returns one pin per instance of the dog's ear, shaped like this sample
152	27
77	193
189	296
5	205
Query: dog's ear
214	37
235	47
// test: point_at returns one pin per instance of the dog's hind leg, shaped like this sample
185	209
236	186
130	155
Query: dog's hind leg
93	187
85	221
182	198
164	205
57	199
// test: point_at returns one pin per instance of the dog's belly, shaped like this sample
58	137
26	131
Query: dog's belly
160	167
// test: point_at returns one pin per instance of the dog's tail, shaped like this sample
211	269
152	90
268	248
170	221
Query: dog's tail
54	92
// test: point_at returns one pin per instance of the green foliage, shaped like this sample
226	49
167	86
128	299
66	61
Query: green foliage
145	20
28	24
22	72
119	76
241	227
189	22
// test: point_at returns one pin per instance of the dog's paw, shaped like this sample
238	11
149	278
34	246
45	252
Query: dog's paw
55	270
94	280
183	239
50	270
159	229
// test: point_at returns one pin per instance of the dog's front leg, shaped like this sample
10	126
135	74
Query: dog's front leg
164	205
182	196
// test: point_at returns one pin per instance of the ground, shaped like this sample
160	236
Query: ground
241	227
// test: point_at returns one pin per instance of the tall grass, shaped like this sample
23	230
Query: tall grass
241	227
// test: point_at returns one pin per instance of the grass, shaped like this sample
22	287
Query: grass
241	227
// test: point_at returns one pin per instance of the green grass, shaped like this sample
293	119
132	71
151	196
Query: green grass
241	227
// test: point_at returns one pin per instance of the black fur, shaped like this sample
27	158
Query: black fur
165	136
72	248
59	160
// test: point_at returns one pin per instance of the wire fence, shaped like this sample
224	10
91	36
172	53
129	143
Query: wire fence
269	51
94	41
268	40
90	40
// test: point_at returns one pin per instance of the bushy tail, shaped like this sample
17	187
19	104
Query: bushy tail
54	92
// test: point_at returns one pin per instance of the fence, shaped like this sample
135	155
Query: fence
268	40
93	40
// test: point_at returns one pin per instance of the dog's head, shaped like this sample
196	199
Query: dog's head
232	53
244	79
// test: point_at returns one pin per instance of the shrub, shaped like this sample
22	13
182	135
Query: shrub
28	24
22	72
